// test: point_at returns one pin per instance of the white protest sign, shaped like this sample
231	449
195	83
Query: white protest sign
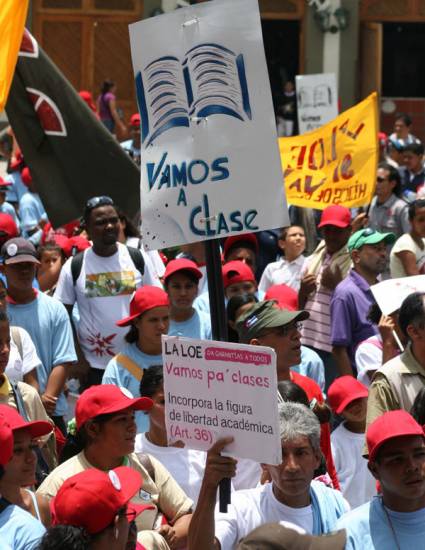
390	294
217	389
317	100
208	135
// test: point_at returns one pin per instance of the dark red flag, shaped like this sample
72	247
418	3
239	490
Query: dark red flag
71	155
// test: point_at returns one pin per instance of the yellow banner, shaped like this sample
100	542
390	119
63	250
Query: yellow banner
12	20
335	164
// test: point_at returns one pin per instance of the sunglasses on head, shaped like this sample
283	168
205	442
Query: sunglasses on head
94	202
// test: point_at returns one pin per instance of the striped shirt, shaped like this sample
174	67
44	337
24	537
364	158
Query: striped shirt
316	331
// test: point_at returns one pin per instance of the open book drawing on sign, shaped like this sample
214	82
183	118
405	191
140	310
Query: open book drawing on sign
211	80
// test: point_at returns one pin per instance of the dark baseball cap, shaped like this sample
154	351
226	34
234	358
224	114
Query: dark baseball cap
18	250
266	315
273	536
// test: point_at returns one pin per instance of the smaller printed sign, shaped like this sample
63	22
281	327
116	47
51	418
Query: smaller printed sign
391	293
317	100
220	389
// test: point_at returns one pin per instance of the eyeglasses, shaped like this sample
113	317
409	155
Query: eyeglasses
380	179
94	202
365	233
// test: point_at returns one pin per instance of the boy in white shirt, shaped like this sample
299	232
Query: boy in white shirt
348	397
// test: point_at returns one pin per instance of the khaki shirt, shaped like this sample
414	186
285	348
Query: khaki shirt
164	493
395	385
35	411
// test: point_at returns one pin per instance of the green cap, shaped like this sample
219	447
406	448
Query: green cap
369	236
266	315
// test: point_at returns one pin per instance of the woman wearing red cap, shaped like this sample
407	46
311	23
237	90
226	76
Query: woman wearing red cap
181	280
17	471
148	321
92	511
104	438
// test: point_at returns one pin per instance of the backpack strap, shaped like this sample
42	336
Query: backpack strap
19	401
146	462
76	266
130	365
137	259
16	337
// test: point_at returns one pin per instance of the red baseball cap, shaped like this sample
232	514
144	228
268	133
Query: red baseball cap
8	226
135	120
343	391
337	215
92	498
245	237
73	245
26	175
107	399
37	428
285	296
87	98
388	426
182	264
6	441
145	298
236	272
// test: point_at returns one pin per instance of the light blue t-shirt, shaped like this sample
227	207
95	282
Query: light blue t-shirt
18	187
47	322
7	208
198	326
312	366
120	376
31	211
368	528
19	530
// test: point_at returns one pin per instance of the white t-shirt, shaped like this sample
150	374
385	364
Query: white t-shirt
283	272
368	358
154	266
103	292
185	465
406	243
252	508
17	367
357	483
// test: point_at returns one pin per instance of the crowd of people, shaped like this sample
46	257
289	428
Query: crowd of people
85	461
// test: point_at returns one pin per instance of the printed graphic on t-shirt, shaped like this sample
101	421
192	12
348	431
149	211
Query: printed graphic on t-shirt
114	283
101	345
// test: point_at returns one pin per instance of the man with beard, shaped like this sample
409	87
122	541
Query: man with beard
101	281
352	298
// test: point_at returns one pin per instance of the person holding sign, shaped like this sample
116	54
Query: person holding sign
148	321
291	496
181	279
396	384
185	465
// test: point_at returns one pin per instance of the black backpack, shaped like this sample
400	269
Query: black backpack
135	255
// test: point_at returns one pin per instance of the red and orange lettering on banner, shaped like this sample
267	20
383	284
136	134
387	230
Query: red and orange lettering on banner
335	164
